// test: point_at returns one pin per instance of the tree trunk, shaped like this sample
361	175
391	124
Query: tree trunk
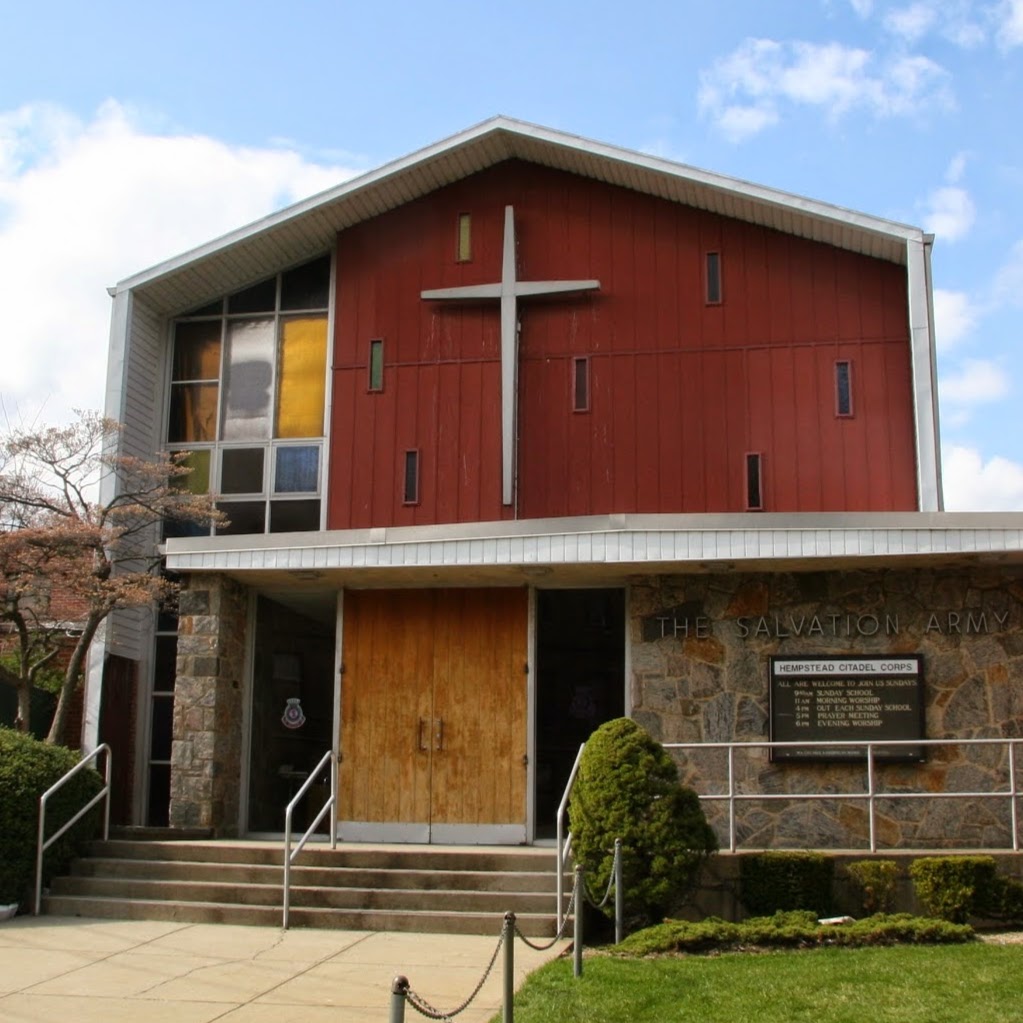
71	676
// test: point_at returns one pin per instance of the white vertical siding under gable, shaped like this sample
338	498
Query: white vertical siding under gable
143	369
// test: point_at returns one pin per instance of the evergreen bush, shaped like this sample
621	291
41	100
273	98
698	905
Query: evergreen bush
875	880
628	788
770	882
28	768
955	887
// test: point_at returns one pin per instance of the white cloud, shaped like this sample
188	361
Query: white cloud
977	381
83	204
971	484
1010	28
745	91
955	316
950	213
1008	284
910	22
863	8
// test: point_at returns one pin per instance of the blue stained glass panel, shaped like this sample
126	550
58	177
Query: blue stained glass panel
297	470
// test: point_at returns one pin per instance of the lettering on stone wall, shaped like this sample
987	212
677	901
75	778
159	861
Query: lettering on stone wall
869	698
686	621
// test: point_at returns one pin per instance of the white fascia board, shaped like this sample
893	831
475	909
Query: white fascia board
637	541
922	354
757	193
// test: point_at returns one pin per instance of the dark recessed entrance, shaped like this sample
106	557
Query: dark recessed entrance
292	713
580	683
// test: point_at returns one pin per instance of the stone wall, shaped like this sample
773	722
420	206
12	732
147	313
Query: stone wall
206	756
699	674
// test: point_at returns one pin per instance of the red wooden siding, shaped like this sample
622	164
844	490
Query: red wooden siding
679	392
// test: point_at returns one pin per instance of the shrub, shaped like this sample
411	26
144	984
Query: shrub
773	881
796	929
27	769
628	788
875	880
954	887
1006	902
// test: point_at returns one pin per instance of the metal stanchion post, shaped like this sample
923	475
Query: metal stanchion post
509	967
619	895
577	951
399	988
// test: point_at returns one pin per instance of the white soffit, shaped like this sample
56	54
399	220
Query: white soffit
310	227
640	543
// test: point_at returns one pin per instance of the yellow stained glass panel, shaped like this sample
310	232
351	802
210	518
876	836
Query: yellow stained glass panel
198	480
301	379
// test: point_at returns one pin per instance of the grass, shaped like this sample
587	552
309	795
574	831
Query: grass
902	984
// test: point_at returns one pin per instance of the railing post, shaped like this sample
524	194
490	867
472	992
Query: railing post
287	866
1012	795
577	942
870	796
333	795
619	894
508	1008
731	798
399	988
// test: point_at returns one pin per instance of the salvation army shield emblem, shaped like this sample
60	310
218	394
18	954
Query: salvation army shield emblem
293	716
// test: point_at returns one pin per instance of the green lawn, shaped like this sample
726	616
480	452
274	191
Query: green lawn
907	984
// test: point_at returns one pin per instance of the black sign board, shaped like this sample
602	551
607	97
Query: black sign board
839	699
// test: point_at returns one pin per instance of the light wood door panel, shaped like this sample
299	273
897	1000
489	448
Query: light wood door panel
433	707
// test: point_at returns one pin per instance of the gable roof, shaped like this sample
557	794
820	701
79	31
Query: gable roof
308	228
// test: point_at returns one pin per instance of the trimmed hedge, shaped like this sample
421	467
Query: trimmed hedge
875	880
796	929
780	881
628	788
959	887
28	768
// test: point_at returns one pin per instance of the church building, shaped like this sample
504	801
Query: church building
524	432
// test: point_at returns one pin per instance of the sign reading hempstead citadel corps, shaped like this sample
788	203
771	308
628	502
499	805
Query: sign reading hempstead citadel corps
850	698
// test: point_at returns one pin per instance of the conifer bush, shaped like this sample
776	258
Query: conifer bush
28	768
628	788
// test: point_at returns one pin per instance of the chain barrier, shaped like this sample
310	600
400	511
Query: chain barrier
610	883
561	930
424	1008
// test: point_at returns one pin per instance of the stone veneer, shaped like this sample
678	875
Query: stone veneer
207	749
712	686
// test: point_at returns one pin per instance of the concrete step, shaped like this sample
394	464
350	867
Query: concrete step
409	888
354	877
533	926
321	896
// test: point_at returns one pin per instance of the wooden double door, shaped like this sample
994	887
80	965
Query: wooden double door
434	716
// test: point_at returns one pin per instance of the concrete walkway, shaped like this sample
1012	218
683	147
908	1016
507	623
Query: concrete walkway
125	971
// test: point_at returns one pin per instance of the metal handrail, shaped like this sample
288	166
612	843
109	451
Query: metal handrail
564	844
870	793
104	793
289	856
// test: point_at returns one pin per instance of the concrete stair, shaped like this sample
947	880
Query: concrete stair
464	890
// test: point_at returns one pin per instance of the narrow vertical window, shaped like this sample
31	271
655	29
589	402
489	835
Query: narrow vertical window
581	384
376	365
713	278
843	388
411	490
464	237
754	492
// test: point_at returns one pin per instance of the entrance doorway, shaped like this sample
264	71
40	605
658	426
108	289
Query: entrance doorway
292	714
433	716
580	683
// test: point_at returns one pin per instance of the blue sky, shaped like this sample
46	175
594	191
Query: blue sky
129	132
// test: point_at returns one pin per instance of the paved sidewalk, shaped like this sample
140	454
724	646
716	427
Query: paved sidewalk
123	971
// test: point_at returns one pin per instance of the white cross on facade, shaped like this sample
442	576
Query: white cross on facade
509	290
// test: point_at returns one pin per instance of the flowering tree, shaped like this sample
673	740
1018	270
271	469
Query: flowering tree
80	521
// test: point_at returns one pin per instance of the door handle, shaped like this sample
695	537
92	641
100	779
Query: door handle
420	743
439	734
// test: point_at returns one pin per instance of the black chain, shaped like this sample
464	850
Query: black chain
610	885
424	1008
561	930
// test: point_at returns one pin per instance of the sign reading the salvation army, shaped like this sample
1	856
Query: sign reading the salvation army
868	698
